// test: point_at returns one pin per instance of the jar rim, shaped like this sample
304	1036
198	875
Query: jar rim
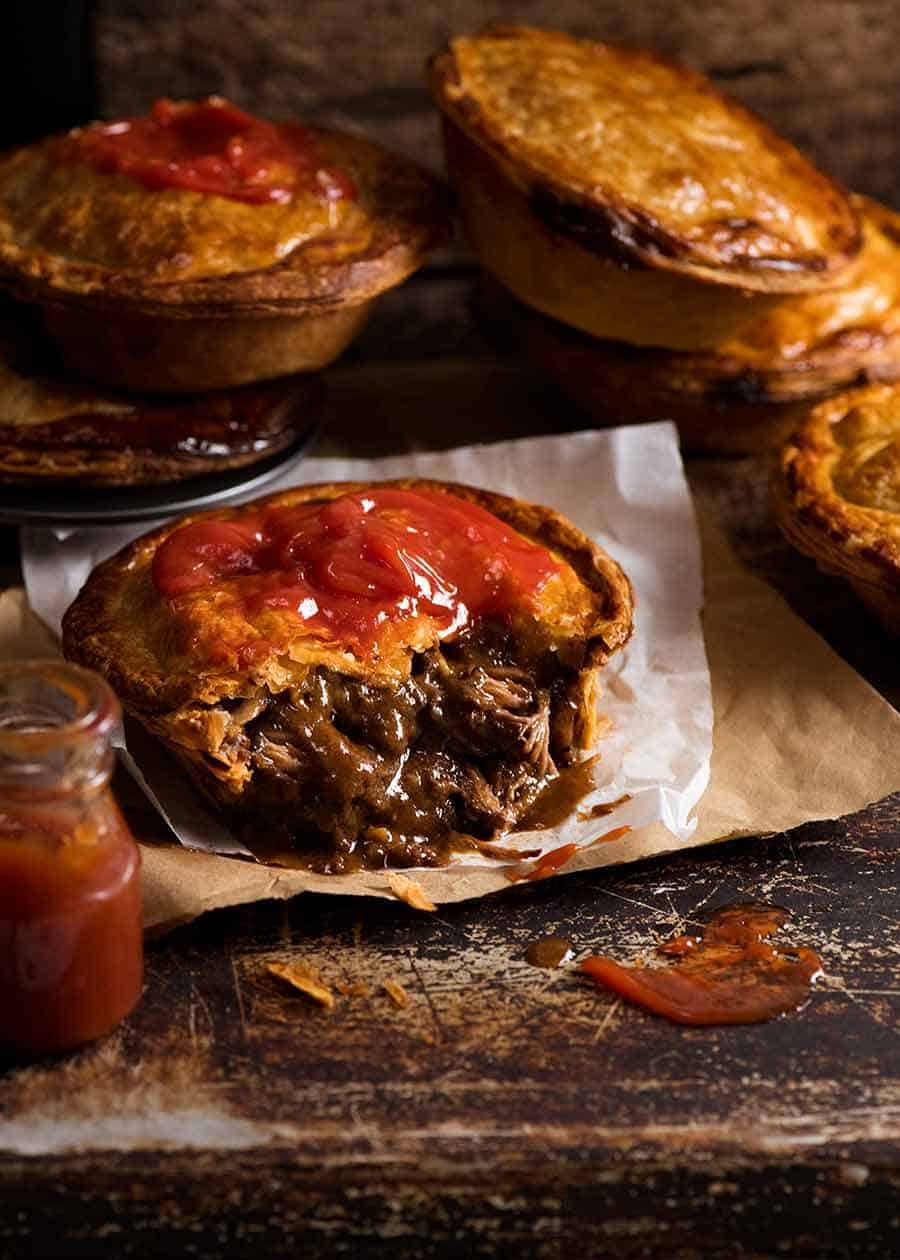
95	709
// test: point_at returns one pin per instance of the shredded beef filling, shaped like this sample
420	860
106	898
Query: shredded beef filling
363	775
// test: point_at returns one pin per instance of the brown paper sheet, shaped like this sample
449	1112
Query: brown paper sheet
799	736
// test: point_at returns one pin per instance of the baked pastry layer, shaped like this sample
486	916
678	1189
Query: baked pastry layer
644	161
54	428
379	756
821	341
749	392
836	493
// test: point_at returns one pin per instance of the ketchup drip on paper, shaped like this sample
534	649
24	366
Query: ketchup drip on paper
731	973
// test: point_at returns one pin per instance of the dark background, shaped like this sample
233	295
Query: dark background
825	73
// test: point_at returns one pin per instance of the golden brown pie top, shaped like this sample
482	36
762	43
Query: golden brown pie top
645	159
837	488
69	228
194	609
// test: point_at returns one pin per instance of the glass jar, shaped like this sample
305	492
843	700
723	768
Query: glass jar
71	944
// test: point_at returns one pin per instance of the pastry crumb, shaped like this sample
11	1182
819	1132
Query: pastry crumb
304	979
396	992
409	891
354	988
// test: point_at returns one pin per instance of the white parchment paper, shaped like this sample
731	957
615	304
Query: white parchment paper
624	487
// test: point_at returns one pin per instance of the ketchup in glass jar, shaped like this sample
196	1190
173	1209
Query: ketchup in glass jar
71	949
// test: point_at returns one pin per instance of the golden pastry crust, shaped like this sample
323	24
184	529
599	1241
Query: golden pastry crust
120	625
836	493
70	233
155	354
54	429
747	394
642	161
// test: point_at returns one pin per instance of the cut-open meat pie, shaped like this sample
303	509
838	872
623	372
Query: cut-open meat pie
362	672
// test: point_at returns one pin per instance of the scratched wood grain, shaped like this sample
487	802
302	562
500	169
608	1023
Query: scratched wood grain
503	1108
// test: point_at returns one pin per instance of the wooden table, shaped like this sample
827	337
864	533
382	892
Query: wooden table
505	1111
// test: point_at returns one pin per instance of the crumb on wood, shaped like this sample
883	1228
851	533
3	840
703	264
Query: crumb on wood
304	979
353	989
396	993
409	891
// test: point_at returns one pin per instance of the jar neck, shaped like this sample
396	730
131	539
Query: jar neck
56	726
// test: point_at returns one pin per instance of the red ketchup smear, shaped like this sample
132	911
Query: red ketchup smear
553	861
544	867
209	146
351	566
731	974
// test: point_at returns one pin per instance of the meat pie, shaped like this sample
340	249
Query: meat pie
622	194
836	493
362	672
749	392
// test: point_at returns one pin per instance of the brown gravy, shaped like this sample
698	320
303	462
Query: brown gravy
731	973
601	811
549	951
559	798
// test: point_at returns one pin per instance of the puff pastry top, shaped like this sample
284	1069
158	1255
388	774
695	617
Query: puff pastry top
643	159
156	653
68	230
837	488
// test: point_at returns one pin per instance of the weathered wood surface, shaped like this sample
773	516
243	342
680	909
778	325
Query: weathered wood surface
824	73
505	1111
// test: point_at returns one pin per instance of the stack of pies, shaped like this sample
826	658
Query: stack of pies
57	430
656	247
194	249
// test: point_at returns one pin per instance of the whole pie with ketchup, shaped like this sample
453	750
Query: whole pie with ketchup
367	672
199	247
